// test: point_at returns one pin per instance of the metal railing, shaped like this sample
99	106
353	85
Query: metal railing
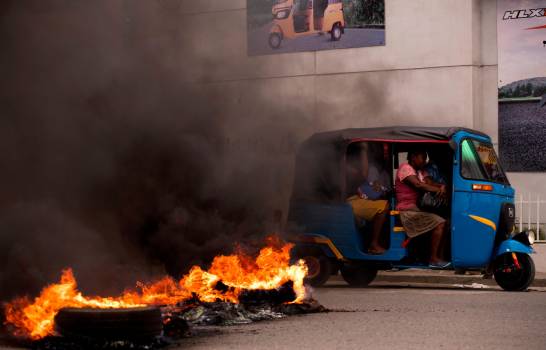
528	215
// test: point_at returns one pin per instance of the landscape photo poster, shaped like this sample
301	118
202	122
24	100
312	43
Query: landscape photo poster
521	37
281	26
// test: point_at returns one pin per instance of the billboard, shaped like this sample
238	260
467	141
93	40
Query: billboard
280	26
521	31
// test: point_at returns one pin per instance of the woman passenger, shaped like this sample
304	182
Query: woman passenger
409	185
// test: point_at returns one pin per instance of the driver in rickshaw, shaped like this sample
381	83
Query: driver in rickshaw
368	184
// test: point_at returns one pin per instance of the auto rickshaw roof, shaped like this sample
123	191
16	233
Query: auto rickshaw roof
317	173
393	134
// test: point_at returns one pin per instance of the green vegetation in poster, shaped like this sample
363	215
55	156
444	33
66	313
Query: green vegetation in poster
533	87
361	13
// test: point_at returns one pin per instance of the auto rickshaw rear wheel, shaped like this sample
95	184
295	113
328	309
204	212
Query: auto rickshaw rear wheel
319	266
336	32
275	40
358	275
511	277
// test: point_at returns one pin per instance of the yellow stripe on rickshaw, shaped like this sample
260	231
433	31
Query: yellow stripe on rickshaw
330	244
484	221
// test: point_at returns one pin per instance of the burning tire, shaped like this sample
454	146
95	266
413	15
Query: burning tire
131	324
358	275
514	278
319	266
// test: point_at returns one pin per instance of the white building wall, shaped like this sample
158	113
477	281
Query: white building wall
439	67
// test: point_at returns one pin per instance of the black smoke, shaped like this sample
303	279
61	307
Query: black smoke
110	160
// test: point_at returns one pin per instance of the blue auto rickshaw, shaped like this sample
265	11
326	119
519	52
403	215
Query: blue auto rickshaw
480	211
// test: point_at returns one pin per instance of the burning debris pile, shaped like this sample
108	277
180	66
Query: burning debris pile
235	289
254	306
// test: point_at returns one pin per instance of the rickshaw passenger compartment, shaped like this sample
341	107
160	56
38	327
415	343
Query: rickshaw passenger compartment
479	211
301	16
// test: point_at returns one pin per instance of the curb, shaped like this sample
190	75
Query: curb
439	279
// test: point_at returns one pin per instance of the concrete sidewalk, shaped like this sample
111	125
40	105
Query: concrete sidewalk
444	277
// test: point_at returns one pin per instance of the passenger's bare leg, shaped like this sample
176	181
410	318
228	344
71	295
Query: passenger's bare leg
435	242
378	222
445	240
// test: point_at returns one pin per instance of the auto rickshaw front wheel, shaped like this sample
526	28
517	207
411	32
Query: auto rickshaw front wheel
275	40
319	266
514	274
358	275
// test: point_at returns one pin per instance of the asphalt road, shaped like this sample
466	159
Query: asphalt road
353	37
397	317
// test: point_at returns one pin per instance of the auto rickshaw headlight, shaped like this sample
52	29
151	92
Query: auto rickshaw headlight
282	14
531	237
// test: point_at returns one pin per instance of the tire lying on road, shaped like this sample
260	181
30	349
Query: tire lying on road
127	324
358	275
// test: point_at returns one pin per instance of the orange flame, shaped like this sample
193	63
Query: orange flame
270	270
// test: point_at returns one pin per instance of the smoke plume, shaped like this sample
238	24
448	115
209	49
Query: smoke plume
111	161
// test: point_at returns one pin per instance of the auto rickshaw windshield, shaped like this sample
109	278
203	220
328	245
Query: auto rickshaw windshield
480	162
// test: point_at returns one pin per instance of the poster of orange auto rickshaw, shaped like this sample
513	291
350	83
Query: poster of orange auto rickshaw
521	31
280	26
